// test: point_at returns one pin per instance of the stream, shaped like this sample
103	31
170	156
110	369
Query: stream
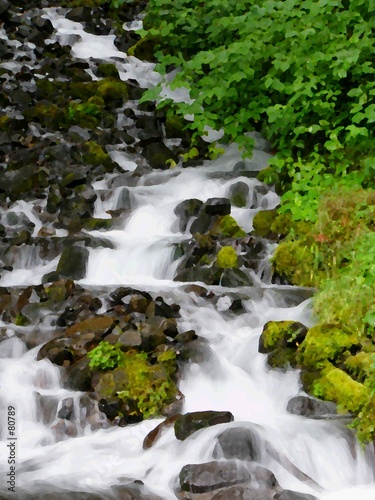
232	375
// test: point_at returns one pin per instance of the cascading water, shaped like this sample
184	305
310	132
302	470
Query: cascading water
90	456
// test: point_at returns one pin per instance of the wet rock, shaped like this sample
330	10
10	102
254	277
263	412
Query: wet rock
200	478
47	407
4	6
235	278
73	263
262	223
311	407
158	155
134	491
238	194
79	375
186	210
124	200
293	495
66	411
97	325
186	425
217	206
238	442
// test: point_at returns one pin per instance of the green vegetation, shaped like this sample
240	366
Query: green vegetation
143	388
302	74
227	258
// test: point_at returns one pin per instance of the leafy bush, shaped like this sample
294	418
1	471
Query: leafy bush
105	356
300	71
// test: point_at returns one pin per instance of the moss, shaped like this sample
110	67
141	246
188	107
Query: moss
112	89
295	261
262	222
282	358
336	385
95	155
227	227
21	320
324	343
227	258
144	49
98	224
276	334
174	125
4	120
108	70
362	367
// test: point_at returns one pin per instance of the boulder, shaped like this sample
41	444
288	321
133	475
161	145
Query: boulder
237	442
307	406
186	425
199	478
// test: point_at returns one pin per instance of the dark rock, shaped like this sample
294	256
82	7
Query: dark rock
235	278
237	442
79	375
186	425
311	407
238	194
217	206
293	495
79	14
208	275
4	6
124	200
199	478
134	491
67	409
186	210
159	155
73	263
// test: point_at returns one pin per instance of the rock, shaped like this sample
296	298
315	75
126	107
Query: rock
262	223
4	6
73	263
199	478
156	433
293	495
238	194
159	155
186	210
124	200
217	206
238	442
186	425
66	411
235	278
97	326
311	407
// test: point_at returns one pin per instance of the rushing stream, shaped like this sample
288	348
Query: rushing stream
233	376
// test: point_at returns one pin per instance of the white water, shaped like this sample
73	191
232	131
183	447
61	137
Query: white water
233	378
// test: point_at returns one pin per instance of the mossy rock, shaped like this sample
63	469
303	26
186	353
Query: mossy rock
144	49
227	258
362	367
95	155
112	89
227	227
107	70
142	389
174	126
337	386
281	334
98	224
262	223
282	358
294	260
325	343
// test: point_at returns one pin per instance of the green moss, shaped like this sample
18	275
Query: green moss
276	334
144	49
95	154
227	227
262	222
108	70
110	89
98	224
336	385
295	261
21	320
324	343
282	358
227	258
362	367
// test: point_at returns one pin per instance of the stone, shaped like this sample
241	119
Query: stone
238	442
189	423
293	495
199	478
73	263
217	206
311	407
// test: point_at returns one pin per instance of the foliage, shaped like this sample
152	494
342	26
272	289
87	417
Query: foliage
227	258
105	356
227	227
307	85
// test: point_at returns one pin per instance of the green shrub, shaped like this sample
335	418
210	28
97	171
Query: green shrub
105	356
227	258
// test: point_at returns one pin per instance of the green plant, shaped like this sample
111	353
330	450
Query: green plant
227	258
105	356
